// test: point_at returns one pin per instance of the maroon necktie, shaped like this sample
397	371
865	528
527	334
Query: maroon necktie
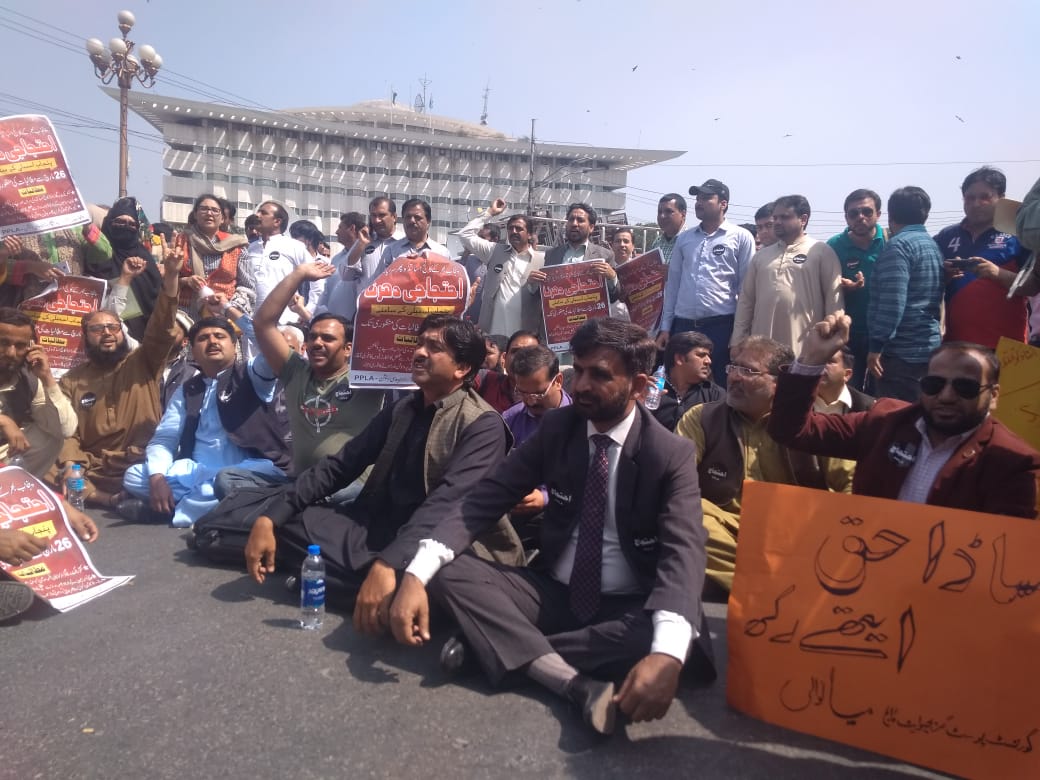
587	573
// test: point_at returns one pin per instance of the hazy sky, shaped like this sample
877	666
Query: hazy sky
818	97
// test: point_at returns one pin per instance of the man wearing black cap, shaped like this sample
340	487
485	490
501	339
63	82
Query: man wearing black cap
705	274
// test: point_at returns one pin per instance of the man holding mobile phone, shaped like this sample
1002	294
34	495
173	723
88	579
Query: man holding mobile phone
35	415
981	264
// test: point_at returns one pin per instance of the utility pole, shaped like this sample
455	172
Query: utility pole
530	177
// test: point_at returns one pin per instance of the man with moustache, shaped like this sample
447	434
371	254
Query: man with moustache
704	277
35	416
378	255
581	221
506	303
275	254
946	449
427	452
116	393
687	361
615	594
671	218
324	411
223	417
858	248
732	445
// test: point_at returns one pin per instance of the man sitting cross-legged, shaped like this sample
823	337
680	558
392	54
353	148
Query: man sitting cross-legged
615	592
427	452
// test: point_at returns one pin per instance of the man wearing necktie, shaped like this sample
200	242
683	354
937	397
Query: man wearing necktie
614	594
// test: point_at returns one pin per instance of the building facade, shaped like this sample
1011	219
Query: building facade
321	162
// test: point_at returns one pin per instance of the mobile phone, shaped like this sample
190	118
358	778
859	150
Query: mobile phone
963	263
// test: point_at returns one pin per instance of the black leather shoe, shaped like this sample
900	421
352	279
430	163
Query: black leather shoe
456	658
15	598
135	510
595	699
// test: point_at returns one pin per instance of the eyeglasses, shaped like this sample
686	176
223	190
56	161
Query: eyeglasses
209	210
106	327
962	386
537	396
866	211
733	368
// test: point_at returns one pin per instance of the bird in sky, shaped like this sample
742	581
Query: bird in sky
957	117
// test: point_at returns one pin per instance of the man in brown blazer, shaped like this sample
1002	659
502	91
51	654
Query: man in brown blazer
945	450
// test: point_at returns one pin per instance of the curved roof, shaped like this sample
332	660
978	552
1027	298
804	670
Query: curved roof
380	111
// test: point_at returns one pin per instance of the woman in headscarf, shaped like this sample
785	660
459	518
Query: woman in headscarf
123	231
215	260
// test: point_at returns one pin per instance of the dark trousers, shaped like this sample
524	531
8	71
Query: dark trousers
342	541
858	346
720	331
900	379
512	616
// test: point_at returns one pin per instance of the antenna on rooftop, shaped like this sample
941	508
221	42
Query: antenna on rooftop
421	102
484	114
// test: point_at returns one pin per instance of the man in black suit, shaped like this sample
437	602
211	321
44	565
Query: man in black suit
615	592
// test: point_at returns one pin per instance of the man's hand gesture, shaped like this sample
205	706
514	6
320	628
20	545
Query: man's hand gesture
498	205
825	338
648	690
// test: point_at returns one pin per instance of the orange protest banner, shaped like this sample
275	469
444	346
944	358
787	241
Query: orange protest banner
905	629
1018	406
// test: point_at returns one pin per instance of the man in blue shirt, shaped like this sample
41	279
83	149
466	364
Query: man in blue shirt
858	248
903	314
223	417
705	274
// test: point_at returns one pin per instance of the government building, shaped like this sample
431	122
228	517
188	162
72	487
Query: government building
321	162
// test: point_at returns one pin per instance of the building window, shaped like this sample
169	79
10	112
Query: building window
312	188
442	177
354	168
242	179
289	160
264	157
336	190
216	177
179	199
239	154
266	183
285	185
310	162
186	175
378	169
405	172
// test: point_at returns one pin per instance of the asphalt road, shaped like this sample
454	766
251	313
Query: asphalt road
193	671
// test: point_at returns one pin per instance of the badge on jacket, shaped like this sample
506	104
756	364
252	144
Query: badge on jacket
903	455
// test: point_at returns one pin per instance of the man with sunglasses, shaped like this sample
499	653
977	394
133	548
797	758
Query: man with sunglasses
858	248
946	449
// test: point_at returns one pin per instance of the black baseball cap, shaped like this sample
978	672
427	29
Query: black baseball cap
711	187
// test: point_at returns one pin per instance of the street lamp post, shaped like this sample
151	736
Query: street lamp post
118	63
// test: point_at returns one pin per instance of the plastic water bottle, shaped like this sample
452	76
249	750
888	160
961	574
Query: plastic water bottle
75	486
654	390
312	589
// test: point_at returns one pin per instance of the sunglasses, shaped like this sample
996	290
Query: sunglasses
962	386
866	211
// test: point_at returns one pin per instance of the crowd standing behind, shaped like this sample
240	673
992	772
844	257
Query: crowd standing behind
197	404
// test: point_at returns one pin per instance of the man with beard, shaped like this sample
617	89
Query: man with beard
116	392
945	450
616	595
704	277
35	416
581	221
223	417
427	452
506	303
858	248
733	445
